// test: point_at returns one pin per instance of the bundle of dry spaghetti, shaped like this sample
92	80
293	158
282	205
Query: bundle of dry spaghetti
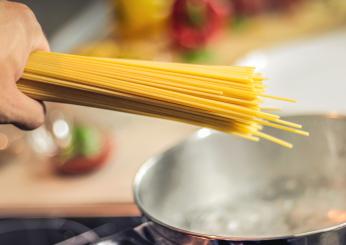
226	98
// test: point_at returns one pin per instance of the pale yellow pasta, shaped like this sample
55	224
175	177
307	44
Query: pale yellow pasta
226	98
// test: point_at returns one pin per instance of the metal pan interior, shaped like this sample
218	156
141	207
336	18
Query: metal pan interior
217	185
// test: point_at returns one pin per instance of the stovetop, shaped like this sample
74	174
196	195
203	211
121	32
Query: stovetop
70	231
123	231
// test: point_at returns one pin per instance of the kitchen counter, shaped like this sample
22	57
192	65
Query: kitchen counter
28	184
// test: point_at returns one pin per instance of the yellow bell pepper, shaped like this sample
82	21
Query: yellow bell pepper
136	17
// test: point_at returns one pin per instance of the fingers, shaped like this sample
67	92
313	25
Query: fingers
21	34
30	113
26	113
26	121
17	108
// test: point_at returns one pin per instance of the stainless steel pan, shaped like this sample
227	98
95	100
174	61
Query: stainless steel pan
218	189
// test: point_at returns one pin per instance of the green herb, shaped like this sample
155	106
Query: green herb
197	56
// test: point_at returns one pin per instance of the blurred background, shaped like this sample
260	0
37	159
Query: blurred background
82	162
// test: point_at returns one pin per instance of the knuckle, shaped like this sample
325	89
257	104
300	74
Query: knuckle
20	12
25	13
22	8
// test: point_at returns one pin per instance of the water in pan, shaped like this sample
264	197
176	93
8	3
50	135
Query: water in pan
283	208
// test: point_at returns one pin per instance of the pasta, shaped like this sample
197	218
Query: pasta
225	98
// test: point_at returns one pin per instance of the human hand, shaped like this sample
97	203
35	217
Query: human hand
20	34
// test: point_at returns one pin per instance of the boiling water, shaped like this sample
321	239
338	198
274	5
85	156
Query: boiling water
283	208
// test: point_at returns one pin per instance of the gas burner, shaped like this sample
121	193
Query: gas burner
71	231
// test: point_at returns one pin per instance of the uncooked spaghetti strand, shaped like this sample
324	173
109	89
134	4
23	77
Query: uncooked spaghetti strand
273	139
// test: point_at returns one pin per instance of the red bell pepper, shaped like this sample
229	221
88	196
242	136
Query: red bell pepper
195	22
245	8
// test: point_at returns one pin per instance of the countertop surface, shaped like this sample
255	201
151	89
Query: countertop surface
30	182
